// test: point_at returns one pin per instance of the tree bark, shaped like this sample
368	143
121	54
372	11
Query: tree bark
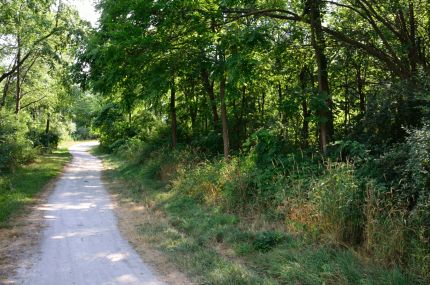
305	111
18	78
280	102
318	43
225	135
5	92
209	86
48	122
263	102
360	90
243	111
173	115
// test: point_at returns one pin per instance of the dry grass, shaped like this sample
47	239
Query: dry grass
131	215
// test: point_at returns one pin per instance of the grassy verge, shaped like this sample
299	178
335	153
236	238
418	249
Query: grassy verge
214	246
19	188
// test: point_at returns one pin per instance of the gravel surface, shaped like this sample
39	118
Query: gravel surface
81	243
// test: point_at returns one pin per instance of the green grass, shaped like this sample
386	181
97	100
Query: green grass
19	188
215	247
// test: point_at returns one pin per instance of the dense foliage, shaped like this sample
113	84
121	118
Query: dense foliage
320	108
307	113
38	40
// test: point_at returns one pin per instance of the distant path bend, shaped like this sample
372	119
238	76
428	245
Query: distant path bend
82	243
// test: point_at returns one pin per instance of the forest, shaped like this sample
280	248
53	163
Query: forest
305	123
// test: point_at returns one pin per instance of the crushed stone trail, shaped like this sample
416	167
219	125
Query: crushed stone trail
82	243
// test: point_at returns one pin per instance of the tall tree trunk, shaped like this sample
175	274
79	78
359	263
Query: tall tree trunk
305	126
413	51
325	114
306	114
173	114
48	122
225	135
18	78
347	107
280	102
209	86
263	102
243	111
47	137
360	81
5	92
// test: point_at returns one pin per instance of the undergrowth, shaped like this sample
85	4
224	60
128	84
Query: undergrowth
293	220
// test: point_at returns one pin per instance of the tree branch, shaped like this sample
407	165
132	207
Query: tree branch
33	102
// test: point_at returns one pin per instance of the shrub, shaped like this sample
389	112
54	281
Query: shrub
398	205
265	241
15	147
347	150
47	141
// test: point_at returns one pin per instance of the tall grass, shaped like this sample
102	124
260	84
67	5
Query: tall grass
290	210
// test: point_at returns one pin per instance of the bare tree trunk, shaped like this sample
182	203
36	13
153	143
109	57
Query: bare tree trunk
18	78
173	114
209	86
360	90
48	122
305	127
347	103
243	110
305	111
318	42
413	51
5	92
280	102
263	101
225	135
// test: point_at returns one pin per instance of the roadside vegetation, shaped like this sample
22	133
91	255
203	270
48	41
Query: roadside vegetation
313	223
282	141
292	134
19	188
39	104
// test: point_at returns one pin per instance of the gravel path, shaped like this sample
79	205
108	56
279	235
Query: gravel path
81	243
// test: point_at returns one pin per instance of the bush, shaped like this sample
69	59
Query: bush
398	204
417	184
347	150
265	241
47	141
15	147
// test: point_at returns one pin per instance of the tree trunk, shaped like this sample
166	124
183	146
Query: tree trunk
318	43
306	115
347	107
280	102
48	122
173	114
18	78
5	92
413	52
360	90
305	127
243	112
225	135
209	86
263	101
